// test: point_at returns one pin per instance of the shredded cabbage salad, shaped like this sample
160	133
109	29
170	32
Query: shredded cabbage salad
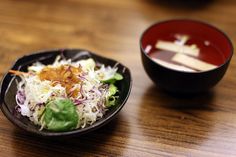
66	95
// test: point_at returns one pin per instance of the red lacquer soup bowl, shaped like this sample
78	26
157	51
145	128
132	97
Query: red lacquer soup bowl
215	48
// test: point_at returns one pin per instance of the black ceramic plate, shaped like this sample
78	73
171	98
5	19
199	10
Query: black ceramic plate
8	89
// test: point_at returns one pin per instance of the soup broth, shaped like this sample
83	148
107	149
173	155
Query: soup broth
208	52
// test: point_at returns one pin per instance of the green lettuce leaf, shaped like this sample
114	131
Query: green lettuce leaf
111	99
60	115
112	80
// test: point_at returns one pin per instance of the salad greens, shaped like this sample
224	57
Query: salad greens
67	95
111	99
60	115
112	80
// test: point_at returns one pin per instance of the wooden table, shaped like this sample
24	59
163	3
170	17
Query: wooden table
152	123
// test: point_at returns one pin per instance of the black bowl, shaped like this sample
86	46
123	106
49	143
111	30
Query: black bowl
179	81
8	90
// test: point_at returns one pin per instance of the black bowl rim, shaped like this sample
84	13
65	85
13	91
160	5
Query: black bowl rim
188	20
72	132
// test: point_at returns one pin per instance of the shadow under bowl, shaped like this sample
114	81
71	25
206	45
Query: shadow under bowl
181	82
9	88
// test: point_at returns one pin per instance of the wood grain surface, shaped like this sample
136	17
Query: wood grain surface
152	123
